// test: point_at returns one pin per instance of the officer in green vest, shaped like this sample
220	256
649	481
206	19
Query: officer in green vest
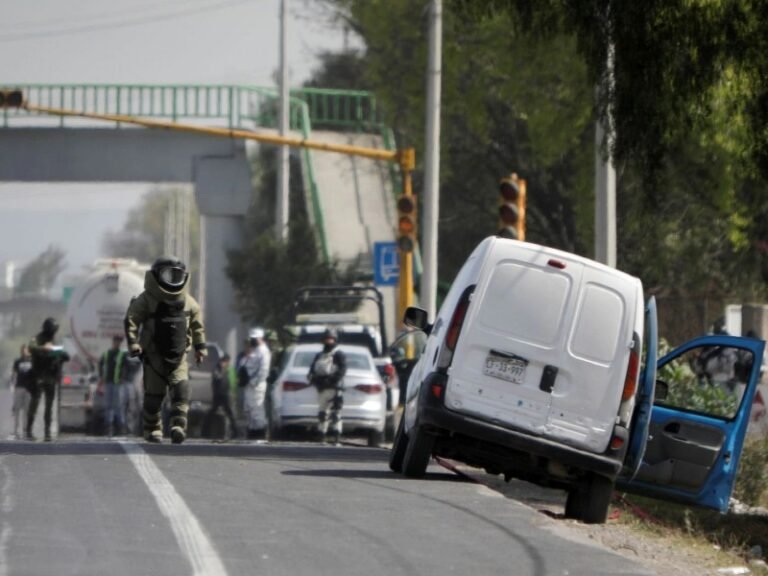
110	381
161	325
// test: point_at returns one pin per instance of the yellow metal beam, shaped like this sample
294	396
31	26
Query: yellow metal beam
374	153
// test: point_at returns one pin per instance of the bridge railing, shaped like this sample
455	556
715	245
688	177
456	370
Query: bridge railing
235	106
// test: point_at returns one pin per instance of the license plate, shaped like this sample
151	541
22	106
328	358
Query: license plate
505	367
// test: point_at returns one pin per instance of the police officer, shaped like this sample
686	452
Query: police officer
47	361
171	323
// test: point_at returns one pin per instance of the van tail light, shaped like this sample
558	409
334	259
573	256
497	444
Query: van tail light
67	380
454	328
292	386
633	370
370	388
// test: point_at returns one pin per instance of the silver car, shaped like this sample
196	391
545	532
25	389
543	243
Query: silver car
294	401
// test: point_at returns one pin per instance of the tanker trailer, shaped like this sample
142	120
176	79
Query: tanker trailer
95	314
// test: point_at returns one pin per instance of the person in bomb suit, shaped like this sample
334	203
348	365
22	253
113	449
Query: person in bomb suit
47	362
161	325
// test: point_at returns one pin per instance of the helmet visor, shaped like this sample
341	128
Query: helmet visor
174	277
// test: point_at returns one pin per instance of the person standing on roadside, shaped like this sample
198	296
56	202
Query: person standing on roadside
47	361
161	325
327	375
110	382
20	385
220	387
252	372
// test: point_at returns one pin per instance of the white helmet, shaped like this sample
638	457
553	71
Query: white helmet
256	333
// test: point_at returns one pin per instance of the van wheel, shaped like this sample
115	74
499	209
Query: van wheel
418	453
397	453
590	500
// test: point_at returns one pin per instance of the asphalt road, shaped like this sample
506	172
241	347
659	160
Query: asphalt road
120	507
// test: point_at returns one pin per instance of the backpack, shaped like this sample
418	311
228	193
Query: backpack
324	364
170	335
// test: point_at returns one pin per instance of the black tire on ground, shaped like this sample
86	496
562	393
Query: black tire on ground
375	438
418	453
589	502
399	446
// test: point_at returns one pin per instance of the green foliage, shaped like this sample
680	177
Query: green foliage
750	483
39	275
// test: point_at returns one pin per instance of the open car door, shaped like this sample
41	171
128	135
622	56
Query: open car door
701	410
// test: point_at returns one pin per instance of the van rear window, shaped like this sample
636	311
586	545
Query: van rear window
525	303
599	318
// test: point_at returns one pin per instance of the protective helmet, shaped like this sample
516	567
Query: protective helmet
330	333
254	333
50	326
171	273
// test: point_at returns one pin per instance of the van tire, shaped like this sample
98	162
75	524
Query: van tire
590	500
397	453
418	453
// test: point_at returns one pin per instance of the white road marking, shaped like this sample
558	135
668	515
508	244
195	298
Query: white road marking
188	531
6	505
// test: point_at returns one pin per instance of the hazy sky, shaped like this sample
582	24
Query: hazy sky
131	42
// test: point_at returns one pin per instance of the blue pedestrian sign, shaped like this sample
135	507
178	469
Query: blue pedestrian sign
386	264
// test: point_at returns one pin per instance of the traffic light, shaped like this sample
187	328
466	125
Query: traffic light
512	208
406	223
11	98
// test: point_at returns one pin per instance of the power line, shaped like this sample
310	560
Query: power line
80	29
80	18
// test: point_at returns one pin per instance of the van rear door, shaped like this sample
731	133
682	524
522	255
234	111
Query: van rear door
511	345
703	398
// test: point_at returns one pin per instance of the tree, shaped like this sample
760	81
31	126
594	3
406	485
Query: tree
38	276
266	272
143	234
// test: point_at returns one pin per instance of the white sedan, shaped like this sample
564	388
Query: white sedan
294	401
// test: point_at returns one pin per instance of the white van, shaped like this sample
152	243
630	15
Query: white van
532	369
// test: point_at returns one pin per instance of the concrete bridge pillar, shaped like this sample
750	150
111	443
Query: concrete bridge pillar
223	193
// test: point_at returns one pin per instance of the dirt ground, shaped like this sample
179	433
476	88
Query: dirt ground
655	552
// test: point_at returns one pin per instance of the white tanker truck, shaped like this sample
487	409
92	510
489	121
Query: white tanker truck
95	314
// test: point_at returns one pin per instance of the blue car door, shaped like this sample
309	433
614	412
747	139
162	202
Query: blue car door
701	409
641	418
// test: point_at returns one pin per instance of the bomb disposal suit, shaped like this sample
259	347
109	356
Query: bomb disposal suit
161	325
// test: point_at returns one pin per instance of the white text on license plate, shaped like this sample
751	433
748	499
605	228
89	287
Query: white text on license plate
510	369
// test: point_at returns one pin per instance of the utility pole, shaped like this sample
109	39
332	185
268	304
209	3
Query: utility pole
283	167
605	179
431	202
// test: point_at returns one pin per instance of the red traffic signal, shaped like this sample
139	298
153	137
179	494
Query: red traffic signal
406	223
11	99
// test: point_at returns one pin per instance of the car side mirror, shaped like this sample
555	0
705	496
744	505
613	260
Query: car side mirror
662	390
416	318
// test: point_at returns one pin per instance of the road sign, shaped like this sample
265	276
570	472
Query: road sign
386	264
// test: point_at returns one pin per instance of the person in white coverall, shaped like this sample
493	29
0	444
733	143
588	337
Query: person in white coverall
253	370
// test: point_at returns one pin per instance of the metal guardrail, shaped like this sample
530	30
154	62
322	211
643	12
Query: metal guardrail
236	107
